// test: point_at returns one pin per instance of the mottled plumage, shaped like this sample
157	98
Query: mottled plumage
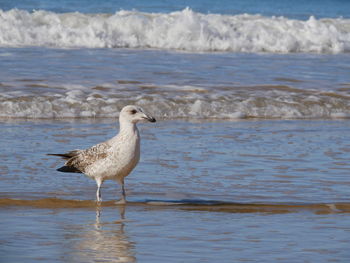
113	159
79	161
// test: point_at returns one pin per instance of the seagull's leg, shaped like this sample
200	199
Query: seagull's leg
122	201
98	192
123	192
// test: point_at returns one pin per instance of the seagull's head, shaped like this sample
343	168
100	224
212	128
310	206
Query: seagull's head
134	114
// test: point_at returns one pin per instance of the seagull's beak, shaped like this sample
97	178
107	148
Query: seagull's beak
149	118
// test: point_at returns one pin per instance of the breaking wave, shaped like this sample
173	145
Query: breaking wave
183	30
169	102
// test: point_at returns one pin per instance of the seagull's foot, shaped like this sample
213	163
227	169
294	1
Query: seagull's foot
121	202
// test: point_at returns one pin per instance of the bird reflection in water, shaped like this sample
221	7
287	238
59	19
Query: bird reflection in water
106	241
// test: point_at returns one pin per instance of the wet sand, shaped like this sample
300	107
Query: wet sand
186	205
246	191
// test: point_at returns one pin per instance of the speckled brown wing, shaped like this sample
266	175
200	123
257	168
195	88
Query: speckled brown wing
84	158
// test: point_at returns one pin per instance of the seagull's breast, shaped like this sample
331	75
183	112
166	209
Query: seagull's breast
122	158
126	153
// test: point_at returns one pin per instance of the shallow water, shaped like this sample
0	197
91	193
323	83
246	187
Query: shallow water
230	191
158	235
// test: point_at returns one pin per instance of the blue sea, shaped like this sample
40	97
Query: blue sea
237	59
248	160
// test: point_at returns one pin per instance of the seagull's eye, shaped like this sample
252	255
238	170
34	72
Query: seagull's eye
133	112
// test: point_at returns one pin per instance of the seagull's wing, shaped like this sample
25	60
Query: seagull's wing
79	160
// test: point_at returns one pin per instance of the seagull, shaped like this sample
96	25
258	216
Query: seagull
113	159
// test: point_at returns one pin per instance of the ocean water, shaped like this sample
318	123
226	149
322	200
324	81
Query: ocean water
249	159
254	190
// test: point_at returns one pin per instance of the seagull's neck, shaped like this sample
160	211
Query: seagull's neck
128	129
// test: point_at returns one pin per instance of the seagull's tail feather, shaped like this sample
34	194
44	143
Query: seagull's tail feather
67	155
64	156
68	169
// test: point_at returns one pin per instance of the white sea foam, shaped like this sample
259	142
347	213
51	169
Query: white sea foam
171	102
184	30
